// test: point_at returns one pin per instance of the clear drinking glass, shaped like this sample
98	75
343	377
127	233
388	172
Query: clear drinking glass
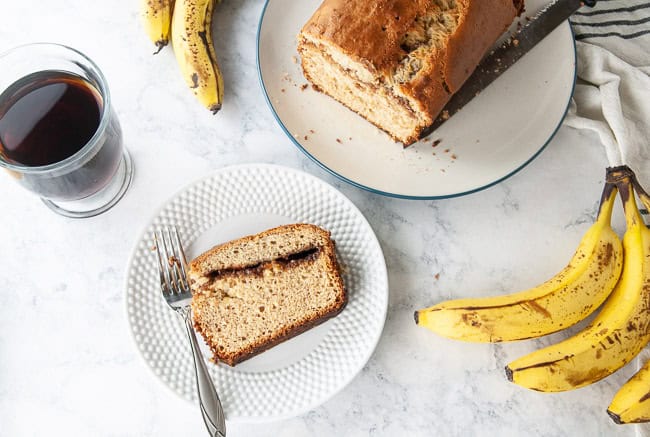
46	95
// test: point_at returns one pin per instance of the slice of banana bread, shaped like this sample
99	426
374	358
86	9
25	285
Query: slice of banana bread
397	62
255	292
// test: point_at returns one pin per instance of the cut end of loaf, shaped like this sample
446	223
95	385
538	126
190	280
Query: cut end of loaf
253	293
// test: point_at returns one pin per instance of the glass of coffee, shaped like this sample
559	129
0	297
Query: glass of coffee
59	135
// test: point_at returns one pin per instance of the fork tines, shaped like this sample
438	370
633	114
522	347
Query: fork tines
171	261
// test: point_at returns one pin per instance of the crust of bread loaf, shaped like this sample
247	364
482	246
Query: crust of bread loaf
366	31
370	32
481	25
327	250
201	264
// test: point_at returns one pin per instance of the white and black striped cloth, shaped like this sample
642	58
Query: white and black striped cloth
612	96
612	23
615	18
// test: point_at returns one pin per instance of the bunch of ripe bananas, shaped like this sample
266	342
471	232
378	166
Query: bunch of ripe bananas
602	271
188	24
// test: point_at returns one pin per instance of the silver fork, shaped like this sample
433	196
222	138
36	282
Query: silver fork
177	294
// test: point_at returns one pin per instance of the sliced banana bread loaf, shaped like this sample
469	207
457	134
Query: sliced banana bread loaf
397	62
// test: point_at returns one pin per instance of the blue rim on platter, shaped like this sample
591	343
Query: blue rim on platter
398	195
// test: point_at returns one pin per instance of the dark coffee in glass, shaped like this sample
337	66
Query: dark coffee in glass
59	136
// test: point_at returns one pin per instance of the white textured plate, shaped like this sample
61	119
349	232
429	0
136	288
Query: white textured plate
297	375
493	137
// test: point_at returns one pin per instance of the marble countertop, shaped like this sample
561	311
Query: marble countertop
68	365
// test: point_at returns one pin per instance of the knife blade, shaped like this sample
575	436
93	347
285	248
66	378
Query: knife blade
506	55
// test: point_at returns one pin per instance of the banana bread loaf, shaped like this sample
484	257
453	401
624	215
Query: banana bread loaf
397	62
255	292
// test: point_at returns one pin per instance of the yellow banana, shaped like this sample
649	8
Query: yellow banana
619	331
632	402
157	17
192	42
570	296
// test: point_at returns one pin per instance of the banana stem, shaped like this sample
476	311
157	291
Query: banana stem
606	203
642	193
624	178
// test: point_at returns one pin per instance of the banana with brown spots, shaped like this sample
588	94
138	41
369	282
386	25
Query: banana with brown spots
631	404
192	42
157	18
619	331
568	297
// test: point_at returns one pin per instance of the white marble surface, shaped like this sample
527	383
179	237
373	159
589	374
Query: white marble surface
67	362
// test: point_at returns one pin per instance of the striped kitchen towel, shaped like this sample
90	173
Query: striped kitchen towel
612	96
620	26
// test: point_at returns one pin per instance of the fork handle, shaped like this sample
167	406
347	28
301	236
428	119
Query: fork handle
209	402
